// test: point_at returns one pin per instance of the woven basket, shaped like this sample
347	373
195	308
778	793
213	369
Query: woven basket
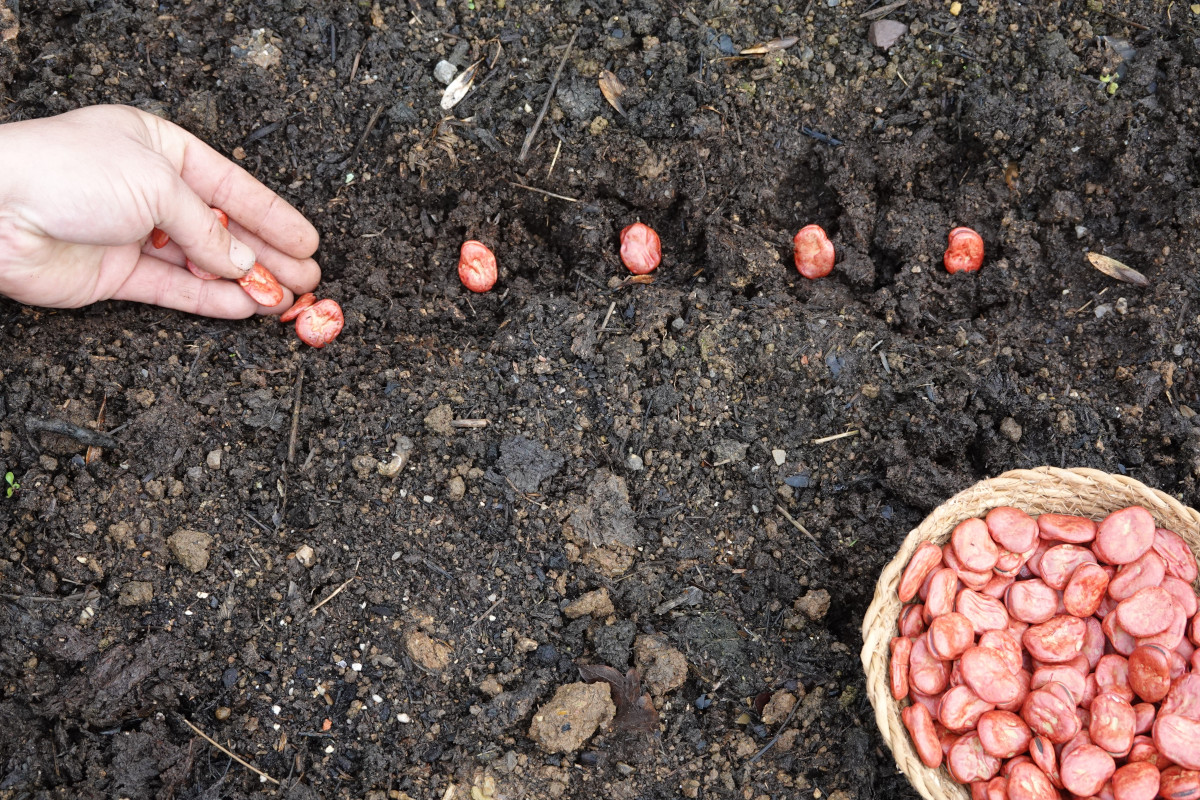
1085	492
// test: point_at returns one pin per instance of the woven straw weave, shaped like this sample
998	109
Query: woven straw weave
1085	492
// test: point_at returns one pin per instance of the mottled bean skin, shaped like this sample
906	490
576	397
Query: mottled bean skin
1086	769
927	556
1124	535
1178	738
901	649
1027	782
1137	781
920	727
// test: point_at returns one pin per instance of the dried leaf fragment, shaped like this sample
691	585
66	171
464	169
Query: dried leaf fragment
1115	269
782	43
459	87
635	708
612	89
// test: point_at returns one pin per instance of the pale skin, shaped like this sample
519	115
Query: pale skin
81	192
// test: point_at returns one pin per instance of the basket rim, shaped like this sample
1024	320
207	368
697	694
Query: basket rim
1037	490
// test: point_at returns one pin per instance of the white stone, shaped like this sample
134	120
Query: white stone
306	556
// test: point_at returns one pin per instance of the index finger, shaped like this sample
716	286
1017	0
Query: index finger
225	185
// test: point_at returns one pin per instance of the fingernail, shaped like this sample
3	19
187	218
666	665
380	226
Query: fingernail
241	254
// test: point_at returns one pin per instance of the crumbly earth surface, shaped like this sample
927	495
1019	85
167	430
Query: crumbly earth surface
643	439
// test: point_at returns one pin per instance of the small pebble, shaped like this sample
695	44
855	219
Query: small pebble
780	457
884	33
801	481
955	8
222	713
306	556
444	72
634	462
213	459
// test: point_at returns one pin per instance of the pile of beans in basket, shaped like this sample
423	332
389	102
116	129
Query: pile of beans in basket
1054	654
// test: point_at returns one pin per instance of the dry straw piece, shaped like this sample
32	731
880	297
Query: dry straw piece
1084	492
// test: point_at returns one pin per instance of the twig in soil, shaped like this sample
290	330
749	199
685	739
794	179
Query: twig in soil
528	498
262	133
876	13
589	279
366	132
554	160
429	563
490	609
469	423
119	428
537	123
690	597
823	138
834	437
1128	22
82	435
257	522
336	591
543	191
611	308
354	68
801	528
775	738
291	456
264	776
1088	303
36	598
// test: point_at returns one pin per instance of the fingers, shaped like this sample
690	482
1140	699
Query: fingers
192	225
162	284
298	274
221	183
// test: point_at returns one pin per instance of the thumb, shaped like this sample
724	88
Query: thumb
198	231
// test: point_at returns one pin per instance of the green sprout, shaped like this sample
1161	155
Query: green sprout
11	480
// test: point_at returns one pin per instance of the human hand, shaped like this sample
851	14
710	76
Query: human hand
80	193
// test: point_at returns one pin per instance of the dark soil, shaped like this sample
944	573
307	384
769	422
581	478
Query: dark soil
631	427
